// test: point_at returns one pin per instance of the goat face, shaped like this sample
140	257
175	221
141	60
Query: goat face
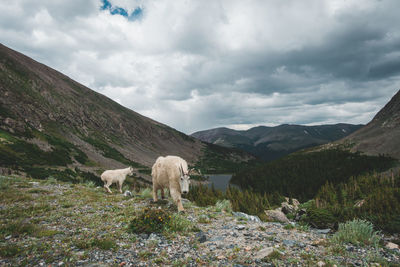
184	181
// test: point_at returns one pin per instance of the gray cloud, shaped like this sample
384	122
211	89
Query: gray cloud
196	65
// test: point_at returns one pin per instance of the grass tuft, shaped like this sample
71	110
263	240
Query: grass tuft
357	232
223	205
146	193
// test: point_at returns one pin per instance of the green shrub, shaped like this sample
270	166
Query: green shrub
275	255
5	183
289	226
18	228
357	232
150	220
104	243
10	250
319	218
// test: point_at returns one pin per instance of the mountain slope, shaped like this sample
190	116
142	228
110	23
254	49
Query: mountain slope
273	142
382	134
47	118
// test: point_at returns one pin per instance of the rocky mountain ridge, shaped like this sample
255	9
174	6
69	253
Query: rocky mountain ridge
381	135
273	142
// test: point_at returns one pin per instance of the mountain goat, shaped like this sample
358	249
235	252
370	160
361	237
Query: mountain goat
171	172
115	176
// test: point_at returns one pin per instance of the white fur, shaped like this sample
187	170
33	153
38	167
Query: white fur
166	173
115	176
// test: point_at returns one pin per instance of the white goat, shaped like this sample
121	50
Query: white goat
115	176
171	172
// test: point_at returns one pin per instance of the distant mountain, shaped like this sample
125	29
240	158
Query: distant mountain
382	134
270	143
49	120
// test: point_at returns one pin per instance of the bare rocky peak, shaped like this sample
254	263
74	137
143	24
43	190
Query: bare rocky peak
38	97
382	134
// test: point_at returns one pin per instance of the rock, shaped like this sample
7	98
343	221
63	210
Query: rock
276	215
391	245
251	218
201	237
240	227
153	236
295	202
143	236
287	208
320	263
290	208
221	257
289	243
128	193
318	242
263	253
8	237
217	238
323	231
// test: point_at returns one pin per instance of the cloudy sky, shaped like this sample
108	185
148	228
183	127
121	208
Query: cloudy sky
196	65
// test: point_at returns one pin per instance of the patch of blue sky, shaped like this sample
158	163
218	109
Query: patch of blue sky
136	14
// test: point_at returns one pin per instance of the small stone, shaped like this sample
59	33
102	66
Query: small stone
221	257
323	231
122	264
240	227
250	218
153	236
144	236
320	263
201	237
318	242
289	243
391	245
128	193
217	238
61	263
8	237
263	253
247	248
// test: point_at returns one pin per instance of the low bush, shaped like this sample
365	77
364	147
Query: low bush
150	220
319	217
18	228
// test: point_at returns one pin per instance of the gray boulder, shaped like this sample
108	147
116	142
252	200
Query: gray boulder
276	215
250	218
